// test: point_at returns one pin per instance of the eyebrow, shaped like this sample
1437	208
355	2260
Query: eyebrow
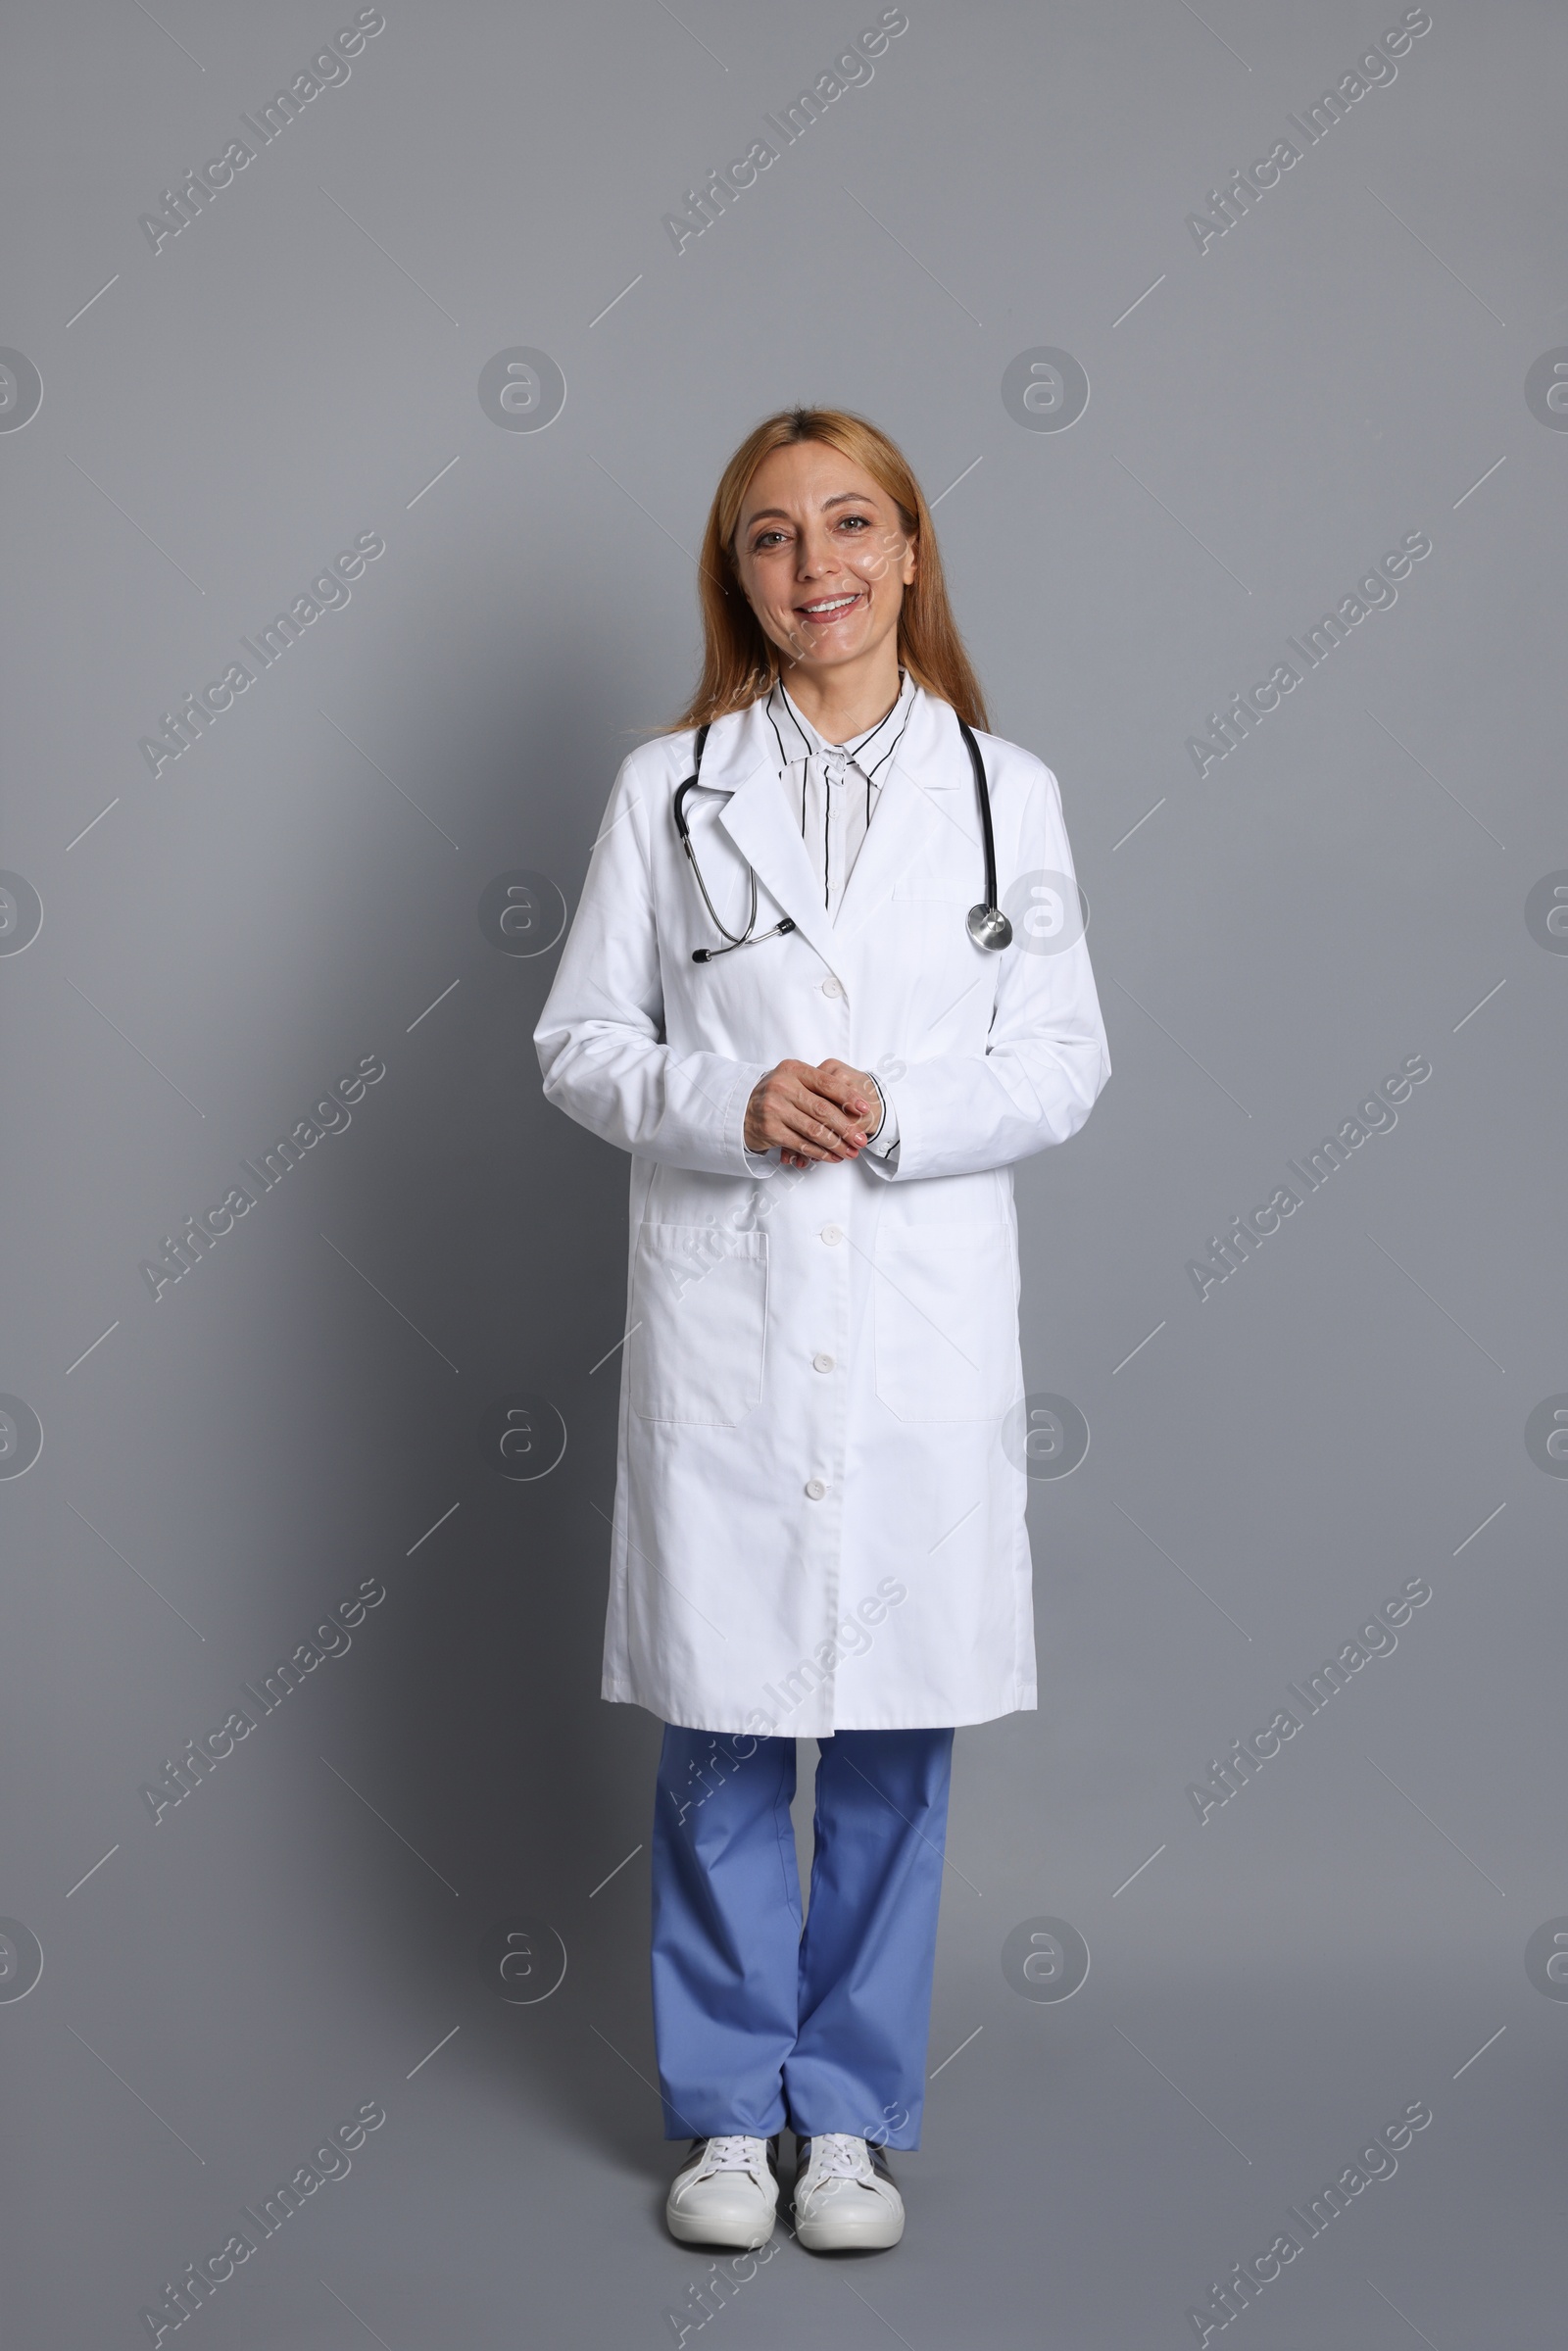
844	498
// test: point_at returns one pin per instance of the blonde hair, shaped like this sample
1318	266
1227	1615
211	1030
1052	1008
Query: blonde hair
740	662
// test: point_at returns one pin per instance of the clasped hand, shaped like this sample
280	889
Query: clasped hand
825	1112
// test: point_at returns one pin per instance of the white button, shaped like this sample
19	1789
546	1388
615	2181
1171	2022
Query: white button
832	1234
832	986
815	1490
821	1363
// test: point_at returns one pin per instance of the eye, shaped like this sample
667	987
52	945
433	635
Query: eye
863	520
760	543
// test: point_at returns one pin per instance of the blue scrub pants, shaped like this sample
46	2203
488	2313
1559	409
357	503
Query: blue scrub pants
758	2023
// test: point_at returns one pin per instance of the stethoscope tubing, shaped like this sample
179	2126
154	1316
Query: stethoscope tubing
982	791
706	954
986	924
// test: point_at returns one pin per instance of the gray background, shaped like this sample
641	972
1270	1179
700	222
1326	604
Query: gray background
297	1414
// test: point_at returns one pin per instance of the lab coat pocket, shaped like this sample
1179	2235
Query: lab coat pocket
947	1321
699	1323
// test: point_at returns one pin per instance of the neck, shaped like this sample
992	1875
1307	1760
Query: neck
845	702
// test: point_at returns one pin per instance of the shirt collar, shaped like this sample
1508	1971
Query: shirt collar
798	738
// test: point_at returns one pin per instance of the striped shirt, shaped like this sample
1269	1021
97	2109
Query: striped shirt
833	788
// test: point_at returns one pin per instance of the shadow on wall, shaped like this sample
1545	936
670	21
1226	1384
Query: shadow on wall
500	1225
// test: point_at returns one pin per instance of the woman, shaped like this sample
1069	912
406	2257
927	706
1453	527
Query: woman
780	996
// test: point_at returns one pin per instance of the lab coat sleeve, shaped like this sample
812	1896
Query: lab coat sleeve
1046	1056
600	1036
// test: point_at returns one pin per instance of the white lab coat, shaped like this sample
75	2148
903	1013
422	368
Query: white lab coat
818	1524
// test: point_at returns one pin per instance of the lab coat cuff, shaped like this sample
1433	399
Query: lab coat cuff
925	1102
884	1136
881	1153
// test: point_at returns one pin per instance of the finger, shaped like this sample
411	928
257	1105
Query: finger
796	1126
792	1094
804	1131
850	1090
840	1136
795	1112
830	1108
816	1141
786	1123
844	1085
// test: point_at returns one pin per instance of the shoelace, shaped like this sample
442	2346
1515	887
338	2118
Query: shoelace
734	2154
835	2155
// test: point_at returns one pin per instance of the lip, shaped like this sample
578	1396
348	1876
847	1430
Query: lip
841	609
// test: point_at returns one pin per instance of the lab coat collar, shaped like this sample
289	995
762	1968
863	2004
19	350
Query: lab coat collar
918	793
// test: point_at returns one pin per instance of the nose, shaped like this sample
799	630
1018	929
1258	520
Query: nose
815	554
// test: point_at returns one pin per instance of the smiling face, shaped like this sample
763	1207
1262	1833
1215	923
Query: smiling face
823	561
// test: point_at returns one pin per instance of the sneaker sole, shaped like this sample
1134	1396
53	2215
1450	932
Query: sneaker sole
840	2236
687	2228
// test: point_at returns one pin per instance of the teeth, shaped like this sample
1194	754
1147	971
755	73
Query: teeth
835	604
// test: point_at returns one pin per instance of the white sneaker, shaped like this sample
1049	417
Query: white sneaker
725	2193
845	2199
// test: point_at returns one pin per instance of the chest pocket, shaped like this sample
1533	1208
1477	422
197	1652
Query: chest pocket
698	1324
945	1310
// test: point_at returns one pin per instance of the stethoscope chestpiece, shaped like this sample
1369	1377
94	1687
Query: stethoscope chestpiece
988	926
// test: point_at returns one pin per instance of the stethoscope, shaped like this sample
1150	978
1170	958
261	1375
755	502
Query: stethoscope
986	924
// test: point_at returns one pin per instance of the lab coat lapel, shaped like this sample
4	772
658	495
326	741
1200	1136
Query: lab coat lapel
757	818
920	796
